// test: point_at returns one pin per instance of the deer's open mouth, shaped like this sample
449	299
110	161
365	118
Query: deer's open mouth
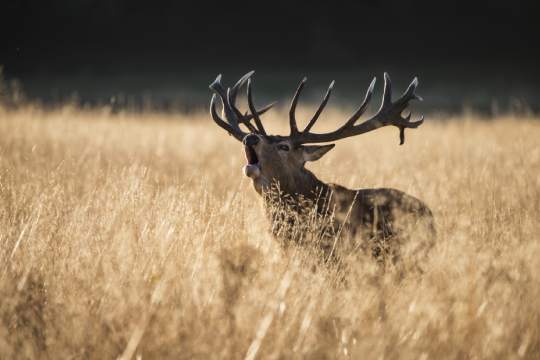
251	155
253	168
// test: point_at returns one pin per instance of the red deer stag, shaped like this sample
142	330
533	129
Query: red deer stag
377	220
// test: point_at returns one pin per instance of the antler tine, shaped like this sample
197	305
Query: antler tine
246	118
409	94
236	132
292	110
218	88
387	92
235	120
240	119
363	107
256	117
232	124
389	113
239	83
264	109
410	125
216	85
321	107
231	100
231	113
402	122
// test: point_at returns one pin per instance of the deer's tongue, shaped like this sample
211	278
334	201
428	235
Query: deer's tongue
252	170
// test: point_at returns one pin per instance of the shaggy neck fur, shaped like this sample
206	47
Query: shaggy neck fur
302	189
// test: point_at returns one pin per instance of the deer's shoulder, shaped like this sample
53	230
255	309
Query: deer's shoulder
375	197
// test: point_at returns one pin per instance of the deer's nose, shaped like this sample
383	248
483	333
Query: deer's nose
250	140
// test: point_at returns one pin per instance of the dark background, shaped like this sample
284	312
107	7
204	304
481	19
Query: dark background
482	55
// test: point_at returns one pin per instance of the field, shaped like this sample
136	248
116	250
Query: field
135	235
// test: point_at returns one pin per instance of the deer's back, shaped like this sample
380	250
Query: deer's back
380	209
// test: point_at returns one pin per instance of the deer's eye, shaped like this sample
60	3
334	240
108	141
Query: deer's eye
283	147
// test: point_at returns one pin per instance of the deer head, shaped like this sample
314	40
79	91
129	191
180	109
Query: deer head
281	159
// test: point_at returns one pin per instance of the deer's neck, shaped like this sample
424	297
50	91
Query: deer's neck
290	209
303	189
310	187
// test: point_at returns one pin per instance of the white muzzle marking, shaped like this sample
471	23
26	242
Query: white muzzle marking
252	170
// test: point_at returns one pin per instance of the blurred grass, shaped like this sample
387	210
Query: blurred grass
136	235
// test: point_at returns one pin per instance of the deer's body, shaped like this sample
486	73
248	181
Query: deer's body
369	219
297	202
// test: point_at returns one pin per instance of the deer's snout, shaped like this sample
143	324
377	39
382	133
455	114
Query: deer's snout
251	140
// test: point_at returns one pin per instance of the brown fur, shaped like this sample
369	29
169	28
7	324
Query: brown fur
377	220
299	204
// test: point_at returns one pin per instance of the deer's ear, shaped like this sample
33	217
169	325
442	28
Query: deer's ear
315	152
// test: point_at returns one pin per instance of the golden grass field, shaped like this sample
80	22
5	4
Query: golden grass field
137	236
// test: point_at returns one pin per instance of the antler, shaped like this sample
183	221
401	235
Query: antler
230	111
389	113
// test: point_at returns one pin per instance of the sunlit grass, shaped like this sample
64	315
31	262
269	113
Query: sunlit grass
137	235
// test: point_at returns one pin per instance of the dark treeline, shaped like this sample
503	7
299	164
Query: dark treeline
93	35
468	39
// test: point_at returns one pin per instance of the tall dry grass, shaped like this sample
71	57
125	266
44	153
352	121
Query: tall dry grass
136	236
